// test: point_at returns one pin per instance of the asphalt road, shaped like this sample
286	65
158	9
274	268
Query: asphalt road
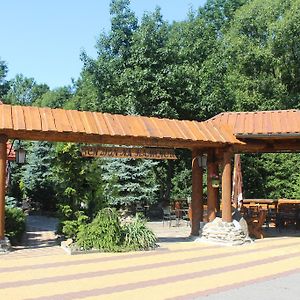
286	287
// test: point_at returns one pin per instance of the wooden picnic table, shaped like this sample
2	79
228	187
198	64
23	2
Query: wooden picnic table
281	212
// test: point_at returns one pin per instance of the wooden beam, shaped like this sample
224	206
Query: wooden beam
268	146
226	187
212	193
3	161
107	139
197	193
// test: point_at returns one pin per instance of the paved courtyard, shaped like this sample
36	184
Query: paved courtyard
178	269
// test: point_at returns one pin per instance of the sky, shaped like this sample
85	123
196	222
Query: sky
43	39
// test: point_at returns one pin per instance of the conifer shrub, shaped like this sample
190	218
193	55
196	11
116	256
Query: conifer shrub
103	233
107	234
15	224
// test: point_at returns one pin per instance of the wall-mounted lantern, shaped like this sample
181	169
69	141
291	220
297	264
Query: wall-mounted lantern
202	161
20	156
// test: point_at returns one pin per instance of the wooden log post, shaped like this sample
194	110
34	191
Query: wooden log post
3	161
197	193
226	187
212	193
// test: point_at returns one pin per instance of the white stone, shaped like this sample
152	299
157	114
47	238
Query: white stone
5	245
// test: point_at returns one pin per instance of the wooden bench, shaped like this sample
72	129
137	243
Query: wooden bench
255	224
288	213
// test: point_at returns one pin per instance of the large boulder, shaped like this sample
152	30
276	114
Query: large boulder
224	232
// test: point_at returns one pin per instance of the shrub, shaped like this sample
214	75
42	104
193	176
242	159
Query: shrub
15	224
107	234
11	201
137	236
70	228
104	233
70	221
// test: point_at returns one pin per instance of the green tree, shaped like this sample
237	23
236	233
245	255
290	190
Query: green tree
37	180
261	47
24	91
113	54
129	181
57	98
272	176
82	187
3	82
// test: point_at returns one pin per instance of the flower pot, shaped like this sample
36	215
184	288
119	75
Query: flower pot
215	183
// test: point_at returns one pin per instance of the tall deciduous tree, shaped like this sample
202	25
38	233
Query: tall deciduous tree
24	91
57	98
263	56
3	82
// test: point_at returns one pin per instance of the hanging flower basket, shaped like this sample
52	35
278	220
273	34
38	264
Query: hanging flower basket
215	181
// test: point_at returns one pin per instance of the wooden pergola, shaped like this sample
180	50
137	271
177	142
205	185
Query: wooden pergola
219	138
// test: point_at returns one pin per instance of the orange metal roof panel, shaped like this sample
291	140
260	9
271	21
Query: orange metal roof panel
113	125
207	136
100	123
156	127
89	122
164	130
61	120
32	118
126	125
152	130
231	120
171	131
248	123
131	126
186	130
136	126
214	132
175	132
275	121
196	134
294	120
18	118
258	121
6	117
178	128
284	121
47	119
281	122
75	121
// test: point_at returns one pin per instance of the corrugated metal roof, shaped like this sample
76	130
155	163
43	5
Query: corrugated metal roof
34	123
262	123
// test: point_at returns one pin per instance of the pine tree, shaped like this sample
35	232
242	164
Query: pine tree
129	181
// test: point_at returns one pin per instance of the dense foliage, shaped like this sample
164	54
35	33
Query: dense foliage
137	236
14	224
229	55
106	233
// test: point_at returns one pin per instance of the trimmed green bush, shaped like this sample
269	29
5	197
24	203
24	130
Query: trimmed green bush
15	224
106	234
70	228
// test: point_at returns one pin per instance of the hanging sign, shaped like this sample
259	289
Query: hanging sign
123	152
